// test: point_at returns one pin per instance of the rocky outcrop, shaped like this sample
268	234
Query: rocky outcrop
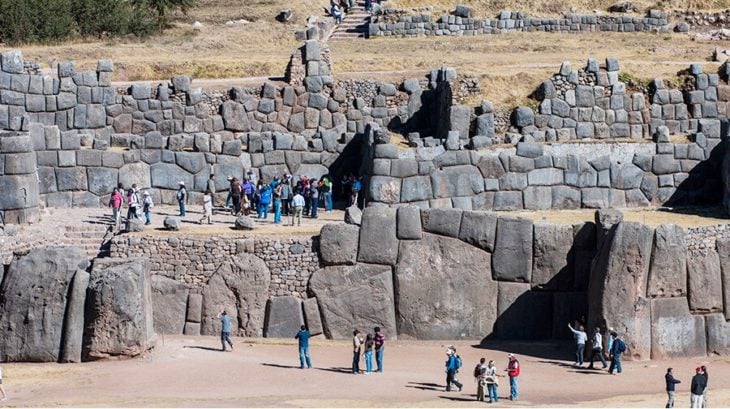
512	258
338	243
73	326
668	272
169	305
674	331
283	317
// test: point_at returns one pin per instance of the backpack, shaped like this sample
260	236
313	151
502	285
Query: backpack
620	346
478	370
458	363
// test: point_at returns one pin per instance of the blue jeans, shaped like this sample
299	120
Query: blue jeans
513	387
226	337
148	217
277	211
315	203
327	201
304	357
379	358
368	361
356	362
263	210
615	364
492	390
579	353
181	204
228	199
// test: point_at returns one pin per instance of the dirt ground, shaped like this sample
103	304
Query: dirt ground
190	372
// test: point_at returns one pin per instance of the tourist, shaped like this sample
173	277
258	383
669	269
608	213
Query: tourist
513	371
257	196
115	202
597	349
369	6
379	347
707	381
609	344
182	195
303	337
264	201
492	380
619	347
327	194
580	341
236	192
297	206
277	203
133	203
249	189
356	349
2	390
229	198
147	206
671	381
453	363
355	186
699	383
286	195
251	176
336	12
225	330
369	347
480	372
211	187
304	191
207	207
313	198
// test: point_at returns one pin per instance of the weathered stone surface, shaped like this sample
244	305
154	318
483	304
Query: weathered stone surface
385	189
455	181
240	286
339	292
234	117
338	244
192	329
119	321
704	281
675	332
378	222
101	181
73	326
479	229
172	223
283	317
34	301
442	221
244	223
512	257
136	173
416	188
409	223
169	176
523	314
566	307
195	308
551	266
169	304
606	220
668	272
723	251
353	215
618	283
445	290
312	317
718	334
135	225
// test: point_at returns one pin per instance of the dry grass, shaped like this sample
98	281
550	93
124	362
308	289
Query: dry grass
651	217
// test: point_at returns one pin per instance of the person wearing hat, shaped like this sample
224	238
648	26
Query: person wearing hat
147	206
182	195
699	383
513	371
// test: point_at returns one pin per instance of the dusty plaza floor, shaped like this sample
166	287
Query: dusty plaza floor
191	372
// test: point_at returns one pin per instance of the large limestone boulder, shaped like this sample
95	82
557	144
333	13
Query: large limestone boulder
338	243
551	264
312	316
668	271
359	296
512	258
241	287
705	281
445	290
73	326
674	331
723	250
718	334
283	317
33	301
378	240
479	229
169	305
119	308
522	313
617	290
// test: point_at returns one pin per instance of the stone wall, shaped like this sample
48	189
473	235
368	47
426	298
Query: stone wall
451	25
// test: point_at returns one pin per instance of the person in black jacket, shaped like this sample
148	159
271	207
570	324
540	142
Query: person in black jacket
671	381
707	382
699	382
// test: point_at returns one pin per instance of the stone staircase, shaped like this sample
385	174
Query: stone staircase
93	238
354	24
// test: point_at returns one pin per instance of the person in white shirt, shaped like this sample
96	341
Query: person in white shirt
580	341
597	348
207	207
298	206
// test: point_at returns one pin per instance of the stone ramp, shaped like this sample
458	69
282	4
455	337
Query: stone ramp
93	238
354	24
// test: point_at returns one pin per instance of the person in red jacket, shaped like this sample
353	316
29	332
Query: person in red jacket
115	202
513	371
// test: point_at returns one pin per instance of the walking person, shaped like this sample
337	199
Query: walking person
597	343
453	363
211	187
303	337
609	343
277	204
356	349
480	371
313	198
207	207
379	348
298	206
147	206
618	348
671	381
182	195
225	330
513	371
492	380
580	344
369	348
699	383
115	202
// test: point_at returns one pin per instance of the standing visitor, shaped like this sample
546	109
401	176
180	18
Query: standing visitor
707	381
236	192
182	195
286	195
379	347
229	198
249	189
356	185
133	203
356	349
580	341
453	363
115	202
303	337
597	349
336	13
277	204
225	330
207	207
619	347
298	207
513	371
671	381
147	206
211	187
264	201
369	347
492	380
313	198
480	371
327	194
697	388
609	344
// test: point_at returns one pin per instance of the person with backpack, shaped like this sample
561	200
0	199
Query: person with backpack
513	371
453	363
492	380
147	206
619	347
356	349
480	372
182	195
236	193
597	348
303	337
671	381
580	341
707	380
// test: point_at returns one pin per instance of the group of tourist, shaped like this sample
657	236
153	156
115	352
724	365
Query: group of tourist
340	7
698	388
614	345
485	374
137	206
372	344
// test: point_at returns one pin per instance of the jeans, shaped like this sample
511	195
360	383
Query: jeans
513	393
480	390
670	399
296	214
181	204
148	217
579	353
226	337
285	204
131	213
304	357
228	199
451	378
356	362
492	390
277	211
327	201
368	361
615	364
263	210
599	352
315	203
379	358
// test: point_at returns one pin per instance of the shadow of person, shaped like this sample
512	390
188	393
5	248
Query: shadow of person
203	348
281	366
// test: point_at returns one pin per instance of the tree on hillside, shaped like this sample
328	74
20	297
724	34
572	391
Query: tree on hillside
164	7
35	20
